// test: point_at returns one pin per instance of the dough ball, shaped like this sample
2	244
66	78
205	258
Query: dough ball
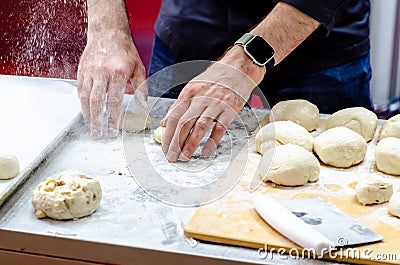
394	204
289	165
282	132
387	156
134	122
299	111
391	128
358	119
340	147
9	166
373	190
158	134
70	196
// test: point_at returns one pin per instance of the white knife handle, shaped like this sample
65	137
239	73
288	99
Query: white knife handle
289	225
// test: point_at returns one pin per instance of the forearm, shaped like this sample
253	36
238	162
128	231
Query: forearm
107	15
284	29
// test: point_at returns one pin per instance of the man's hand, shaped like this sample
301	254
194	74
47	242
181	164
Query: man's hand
217	95
109	60
106	65
221	91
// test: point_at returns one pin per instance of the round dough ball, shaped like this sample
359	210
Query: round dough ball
299	111
340	147
358	119
158	134
282	132
134	122
387	156
373	190
70	196
289	165
394	204
391	128
9	166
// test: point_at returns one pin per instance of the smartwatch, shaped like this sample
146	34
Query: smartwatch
258	49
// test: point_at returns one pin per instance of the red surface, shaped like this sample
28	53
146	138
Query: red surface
46	38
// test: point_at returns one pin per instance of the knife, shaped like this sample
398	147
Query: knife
313	223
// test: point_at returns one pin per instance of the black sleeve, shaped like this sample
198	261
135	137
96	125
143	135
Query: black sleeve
327	12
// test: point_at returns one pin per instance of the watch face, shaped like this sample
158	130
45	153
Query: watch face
260	50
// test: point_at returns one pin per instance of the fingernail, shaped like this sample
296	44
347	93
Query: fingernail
96	134
206	152
165	148
208	148
184	156
172	156
162	122
112	133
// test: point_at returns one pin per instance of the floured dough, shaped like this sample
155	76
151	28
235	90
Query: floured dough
358	119
158	134
340	147
9	166
299	111
133	122
70	196
282	132
391	128
373	190
387	155
394	204
289	165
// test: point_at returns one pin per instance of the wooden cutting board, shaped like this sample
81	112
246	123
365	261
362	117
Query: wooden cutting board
233	220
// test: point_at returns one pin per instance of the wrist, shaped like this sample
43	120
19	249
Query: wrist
105	25
115	19
237	58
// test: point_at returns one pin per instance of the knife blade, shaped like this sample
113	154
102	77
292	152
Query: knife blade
313	222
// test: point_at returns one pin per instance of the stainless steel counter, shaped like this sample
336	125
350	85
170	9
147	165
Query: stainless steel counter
129	227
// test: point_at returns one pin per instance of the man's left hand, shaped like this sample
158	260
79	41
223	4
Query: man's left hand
218	94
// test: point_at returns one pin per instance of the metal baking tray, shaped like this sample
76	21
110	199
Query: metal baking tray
129	226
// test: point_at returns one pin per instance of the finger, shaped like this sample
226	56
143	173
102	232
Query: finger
218	132
183	130
186	94
199	131
116	90
163	122
84	90
139	81
97	97
171	124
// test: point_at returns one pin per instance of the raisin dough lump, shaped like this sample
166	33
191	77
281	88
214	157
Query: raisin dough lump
282	132
358	119
373	190
289	165
69	196
340	147
299	111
